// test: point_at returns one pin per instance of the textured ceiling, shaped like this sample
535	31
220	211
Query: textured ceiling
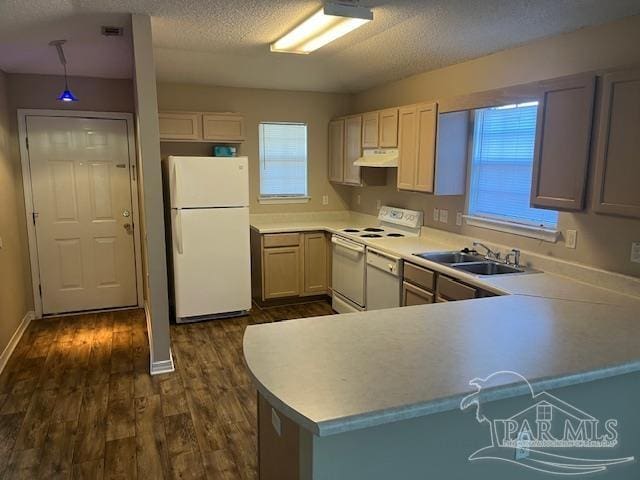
227	42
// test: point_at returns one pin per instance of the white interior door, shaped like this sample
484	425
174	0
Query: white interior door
81	187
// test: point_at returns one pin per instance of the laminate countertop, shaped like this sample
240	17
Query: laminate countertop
344	372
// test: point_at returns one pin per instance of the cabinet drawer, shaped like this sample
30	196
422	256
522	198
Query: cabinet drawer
451	290
412	295
420	276
281	240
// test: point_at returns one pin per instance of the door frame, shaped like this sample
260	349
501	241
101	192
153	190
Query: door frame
28	192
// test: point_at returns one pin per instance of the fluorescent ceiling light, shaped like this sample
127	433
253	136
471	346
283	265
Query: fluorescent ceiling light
326	25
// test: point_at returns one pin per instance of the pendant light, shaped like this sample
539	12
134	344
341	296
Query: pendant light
66	95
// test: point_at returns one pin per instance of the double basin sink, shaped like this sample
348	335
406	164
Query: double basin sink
471	263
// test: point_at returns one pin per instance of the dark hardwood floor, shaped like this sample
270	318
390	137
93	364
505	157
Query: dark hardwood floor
76	400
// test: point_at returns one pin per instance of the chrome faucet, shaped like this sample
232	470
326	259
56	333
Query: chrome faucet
490	253
515	253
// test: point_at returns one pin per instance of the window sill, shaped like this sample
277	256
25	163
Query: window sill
282	200
531	231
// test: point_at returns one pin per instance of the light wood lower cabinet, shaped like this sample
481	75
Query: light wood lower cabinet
315	263
281	272
412	295
286	265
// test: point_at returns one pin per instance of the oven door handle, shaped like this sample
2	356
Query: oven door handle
348	246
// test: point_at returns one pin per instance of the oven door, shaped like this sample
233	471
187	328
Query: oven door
348	269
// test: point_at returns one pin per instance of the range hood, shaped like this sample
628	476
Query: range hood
378	157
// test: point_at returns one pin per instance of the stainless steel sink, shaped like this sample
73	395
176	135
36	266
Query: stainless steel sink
450	258
488	268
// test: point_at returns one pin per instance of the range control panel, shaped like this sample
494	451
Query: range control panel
400	216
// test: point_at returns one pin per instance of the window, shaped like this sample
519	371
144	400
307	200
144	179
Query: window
544	412
283	160
501	167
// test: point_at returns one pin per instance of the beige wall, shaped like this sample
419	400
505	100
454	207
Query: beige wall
15	279
257	105
603	241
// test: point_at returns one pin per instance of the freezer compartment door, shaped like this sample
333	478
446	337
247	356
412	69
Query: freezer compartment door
201	182
211	261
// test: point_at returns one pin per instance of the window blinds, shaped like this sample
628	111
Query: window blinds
502	164
283	159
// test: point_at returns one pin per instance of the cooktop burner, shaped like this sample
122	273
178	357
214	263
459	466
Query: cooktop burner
371	235
373	229
351	230
395	235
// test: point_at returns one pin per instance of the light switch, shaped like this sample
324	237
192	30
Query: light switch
572	238
635	252
436	214
444	216
378	204
358	199
325	199
459	219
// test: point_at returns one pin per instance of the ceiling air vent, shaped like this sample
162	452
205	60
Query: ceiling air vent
112	31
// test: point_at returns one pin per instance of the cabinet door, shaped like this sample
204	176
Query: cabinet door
412	295
353	149
223	127
315	263
336	151
388	136
563	136
407	147
427	115
281	272
451	290
370	130
616	188
180	126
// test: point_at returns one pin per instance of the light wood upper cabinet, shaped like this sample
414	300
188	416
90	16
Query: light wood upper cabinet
388	132
336	150
281	272
417	144
315	263
562	146
201	127
353	149
226	127
616	185
427	115
370	130
180	126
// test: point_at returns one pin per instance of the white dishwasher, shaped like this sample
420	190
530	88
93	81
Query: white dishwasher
384	280
348	271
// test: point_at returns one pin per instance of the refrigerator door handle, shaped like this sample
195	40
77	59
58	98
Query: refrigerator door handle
178	231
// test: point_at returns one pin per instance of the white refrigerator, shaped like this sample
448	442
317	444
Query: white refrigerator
209	216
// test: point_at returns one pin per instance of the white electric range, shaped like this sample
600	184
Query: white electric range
364	278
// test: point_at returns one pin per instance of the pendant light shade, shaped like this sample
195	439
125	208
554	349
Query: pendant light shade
66	95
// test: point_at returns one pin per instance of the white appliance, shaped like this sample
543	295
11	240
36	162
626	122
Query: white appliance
209	229
384	280
379	157
349	276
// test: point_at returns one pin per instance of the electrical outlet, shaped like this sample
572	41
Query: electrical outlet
459	219
378	204
572	238
444	216
436	214
635	252
358	199
325	199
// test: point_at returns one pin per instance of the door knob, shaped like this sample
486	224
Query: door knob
126	213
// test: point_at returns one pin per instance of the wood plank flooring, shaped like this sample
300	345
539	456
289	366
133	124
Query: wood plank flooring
76	400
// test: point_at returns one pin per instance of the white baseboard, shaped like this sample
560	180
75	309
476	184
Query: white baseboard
161	366
11	346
